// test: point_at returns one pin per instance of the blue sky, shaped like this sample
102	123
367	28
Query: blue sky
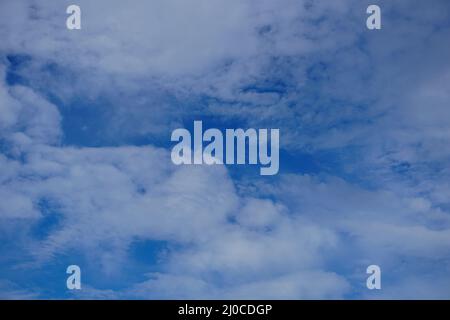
85	170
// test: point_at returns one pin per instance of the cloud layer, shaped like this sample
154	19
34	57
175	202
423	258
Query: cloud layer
85	170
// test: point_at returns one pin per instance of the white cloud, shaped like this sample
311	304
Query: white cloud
280	241
291	286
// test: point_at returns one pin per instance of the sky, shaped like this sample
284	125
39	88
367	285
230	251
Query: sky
86	176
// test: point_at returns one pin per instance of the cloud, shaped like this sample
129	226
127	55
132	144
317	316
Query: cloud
10	291
117	195
369	108
292	286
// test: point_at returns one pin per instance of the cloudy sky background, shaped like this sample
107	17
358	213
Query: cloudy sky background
85	170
